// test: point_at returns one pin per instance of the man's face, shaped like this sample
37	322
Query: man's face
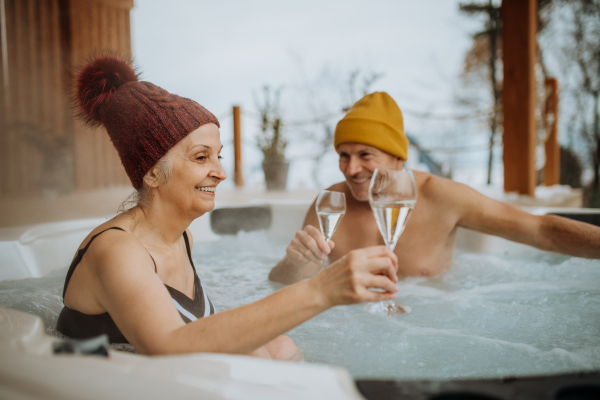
358	163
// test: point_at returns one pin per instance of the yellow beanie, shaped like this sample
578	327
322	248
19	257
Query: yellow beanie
375	120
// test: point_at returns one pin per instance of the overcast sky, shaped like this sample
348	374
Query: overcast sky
218	53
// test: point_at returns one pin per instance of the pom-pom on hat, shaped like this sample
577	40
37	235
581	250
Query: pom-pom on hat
375	120
143	120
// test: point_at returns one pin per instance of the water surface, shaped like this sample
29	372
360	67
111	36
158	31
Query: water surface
489	316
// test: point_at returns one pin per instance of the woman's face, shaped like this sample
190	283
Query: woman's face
196	171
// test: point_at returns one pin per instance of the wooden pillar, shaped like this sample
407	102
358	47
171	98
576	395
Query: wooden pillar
519	53
238	178
4	54
5	111
552	167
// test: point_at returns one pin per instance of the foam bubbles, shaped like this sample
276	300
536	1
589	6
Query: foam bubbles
488	316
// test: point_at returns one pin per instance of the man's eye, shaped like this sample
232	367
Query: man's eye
201	158
220	157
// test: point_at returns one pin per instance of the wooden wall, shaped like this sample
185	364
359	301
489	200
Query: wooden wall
99	25
43	149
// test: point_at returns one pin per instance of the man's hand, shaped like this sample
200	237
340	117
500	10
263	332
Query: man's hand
305	256
308	246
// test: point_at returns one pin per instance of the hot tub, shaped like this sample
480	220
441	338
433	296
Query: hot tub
503	310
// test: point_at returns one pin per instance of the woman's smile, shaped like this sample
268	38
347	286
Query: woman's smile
208	190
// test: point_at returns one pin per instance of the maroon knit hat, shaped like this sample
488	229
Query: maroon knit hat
143	120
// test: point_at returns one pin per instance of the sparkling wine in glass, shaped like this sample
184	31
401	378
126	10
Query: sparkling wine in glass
392	195
331	207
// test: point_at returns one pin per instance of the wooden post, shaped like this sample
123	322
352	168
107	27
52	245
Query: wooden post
552	167
238	178
519	53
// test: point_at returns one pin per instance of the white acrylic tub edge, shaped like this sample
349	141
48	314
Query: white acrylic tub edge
28	369
37	250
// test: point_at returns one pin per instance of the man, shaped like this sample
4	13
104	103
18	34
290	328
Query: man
371	135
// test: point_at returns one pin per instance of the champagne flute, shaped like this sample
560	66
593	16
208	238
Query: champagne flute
392	195
330	207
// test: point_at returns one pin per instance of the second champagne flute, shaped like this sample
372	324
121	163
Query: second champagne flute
330	207
392	195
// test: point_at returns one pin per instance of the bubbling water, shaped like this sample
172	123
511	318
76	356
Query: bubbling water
490	315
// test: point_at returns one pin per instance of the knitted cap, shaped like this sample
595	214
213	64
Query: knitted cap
143	120
375	120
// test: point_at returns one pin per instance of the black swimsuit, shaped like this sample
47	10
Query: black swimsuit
78	325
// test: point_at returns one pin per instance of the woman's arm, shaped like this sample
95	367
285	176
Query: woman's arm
143	310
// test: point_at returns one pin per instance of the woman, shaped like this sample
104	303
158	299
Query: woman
133	277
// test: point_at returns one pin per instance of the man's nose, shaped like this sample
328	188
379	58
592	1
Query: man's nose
354	167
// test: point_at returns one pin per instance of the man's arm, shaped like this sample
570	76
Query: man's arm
547	232
570	237
305	255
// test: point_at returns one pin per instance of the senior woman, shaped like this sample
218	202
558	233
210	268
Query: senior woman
133	277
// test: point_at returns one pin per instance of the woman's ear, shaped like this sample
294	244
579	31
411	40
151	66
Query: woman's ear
152	177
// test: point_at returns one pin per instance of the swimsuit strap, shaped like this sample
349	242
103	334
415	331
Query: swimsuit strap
189	251
79	256
155	270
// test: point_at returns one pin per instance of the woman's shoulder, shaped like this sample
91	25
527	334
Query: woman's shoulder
118	255
107	231
113	242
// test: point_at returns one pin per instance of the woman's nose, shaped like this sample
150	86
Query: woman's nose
218	171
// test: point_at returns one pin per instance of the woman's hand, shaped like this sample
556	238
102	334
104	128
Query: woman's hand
308	246
347	281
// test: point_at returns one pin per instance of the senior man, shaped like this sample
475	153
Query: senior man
371	135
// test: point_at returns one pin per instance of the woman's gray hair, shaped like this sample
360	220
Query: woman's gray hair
142	195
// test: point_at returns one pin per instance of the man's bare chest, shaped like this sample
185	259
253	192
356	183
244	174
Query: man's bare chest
425	248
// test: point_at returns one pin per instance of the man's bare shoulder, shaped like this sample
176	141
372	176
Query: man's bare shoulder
437	190
338	187
431	186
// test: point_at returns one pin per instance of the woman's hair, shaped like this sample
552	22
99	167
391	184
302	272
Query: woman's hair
142	195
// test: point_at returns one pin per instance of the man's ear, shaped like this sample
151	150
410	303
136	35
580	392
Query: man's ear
152	177
399	163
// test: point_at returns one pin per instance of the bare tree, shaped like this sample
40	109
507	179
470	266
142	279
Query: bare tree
585	53
326	98
485	54
577	48
354	92
271	140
